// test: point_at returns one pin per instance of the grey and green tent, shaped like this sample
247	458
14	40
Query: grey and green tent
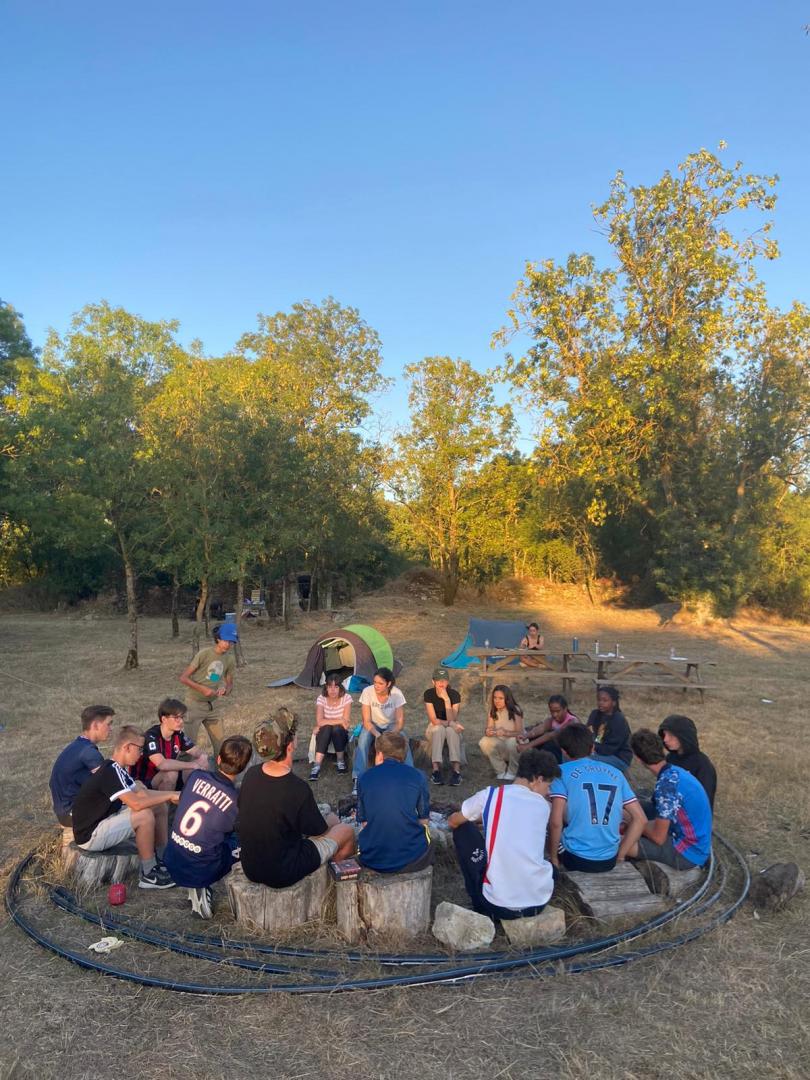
355	650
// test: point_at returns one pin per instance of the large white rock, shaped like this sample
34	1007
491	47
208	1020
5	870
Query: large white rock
461	929
540	929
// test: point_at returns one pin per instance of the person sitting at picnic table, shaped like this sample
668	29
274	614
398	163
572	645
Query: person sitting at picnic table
506	873
202	842
283	835
383	709
544	736
532	639
588	803
679	830
332	711
393	808
503	729
442	705
611	732
680	737
168	754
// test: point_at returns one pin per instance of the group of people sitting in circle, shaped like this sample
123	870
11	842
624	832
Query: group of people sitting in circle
569	803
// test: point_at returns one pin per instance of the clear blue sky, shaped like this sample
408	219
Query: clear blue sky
206	161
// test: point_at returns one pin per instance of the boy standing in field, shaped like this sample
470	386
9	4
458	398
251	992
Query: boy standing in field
209	678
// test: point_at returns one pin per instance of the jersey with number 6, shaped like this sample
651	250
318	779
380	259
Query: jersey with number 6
198	852
596	794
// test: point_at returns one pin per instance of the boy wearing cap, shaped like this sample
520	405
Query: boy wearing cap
442	705
209	678
282	832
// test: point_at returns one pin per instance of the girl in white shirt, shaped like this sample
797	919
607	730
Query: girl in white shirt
383	706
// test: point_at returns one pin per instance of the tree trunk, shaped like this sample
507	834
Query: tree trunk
175	605
449	588
132	609
240	596
202	603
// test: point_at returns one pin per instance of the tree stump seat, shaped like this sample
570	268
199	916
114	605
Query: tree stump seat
263	908
666	880
619	893
396	905
89	868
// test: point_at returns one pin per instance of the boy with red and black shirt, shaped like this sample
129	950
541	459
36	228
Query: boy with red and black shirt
161	767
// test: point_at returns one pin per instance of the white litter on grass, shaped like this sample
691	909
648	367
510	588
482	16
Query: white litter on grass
766	701
106	945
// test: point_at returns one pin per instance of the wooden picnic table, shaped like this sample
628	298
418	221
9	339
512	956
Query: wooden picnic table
494	661
631	669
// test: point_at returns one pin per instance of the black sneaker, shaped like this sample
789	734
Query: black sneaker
436	777
341	766
315	772
354	786
455	779
157	878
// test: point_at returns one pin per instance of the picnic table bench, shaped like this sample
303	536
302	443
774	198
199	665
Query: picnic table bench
602	669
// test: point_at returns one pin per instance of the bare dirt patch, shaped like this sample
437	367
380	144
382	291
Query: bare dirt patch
732	1005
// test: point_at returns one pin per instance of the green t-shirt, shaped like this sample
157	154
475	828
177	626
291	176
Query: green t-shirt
210	669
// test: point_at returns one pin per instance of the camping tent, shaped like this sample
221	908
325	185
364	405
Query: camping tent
355	650
498	633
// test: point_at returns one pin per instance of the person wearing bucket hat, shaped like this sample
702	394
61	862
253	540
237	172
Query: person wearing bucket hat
209	678
442	705
283	835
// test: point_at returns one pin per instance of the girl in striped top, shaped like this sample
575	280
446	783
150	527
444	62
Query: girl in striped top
332	710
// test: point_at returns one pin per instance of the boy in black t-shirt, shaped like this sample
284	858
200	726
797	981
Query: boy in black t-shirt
282	833
161	767
112	807
442	705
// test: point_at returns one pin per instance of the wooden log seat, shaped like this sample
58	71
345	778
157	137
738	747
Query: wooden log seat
619	893
666	880
396	905
272	910
90	868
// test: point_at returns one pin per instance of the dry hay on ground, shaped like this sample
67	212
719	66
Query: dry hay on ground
733	1005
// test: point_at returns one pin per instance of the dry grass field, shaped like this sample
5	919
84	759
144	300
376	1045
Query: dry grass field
734	1004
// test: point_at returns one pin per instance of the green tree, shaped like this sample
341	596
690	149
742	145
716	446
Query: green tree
455	429
674	401
80	475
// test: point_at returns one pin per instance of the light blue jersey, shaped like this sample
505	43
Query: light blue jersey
596	794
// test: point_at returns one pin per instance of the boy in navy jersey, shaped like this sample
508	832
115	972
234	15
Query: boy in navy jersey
161	767
199	851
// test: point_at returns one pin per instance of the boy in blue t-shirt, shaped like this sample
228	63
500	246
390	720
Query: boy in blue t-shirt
680	832
393	808
588	803
200	849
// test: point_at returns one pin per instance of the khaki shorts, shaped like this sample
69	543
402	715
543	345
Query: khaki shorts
327	847
111	831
